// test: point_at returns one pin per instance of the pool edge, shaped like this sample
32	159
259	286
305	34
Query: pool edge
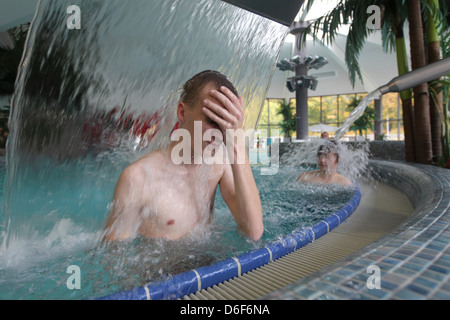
413	259
204	277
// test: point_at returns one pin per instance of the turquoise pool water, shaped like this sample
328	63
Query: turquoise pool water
66	219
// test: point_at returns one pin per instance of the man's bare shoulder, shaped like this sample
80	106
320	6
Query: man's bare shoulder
144	168
342	180
155	156
307	176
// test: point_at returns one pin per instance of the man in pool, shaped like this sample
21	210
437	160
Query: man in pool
157	198
328	160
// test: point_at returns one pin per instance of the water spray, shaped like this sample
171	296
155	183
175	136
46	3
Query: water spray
408	80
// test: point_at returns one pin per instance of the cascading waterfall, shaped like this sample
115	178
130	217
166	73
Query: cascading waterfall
89	101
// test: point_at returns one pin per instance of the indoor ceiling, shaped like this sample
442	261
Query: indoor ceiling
377	67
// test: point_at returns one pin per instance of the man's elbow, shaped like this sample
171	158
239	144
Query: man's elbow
256	233
256	227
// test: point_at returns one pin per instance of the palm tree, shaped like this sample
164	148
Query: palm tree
393	19
424	151
288	123
394	39
440	89
394	14
434	25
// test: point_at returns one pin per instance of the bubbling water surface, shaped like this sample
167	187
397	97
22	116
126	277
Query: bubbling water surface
88	102
104	95
36	267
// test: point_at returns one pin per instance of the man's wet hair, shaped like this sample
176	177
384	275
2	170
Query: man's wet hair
327	147
192	87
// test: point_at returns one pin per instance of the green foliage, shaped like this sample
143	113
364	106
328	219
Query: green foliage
353	13
287	124
365	122
381	137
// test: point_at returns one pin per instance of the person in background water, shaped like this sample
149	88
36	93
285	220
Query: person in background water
325	135
328	161
157	198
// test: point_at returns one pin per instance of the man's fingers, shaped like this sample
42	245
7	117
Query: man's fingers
226	109
238	102
230	95
214	117
219	110
227	99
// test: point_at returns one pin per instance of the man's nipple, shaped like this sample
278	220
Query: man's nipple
170	222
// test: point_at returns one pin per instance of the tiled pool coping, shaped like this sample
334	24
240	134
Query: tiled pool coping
204	277
413	260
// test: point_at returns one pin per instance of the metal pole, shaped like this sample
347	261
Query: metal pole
301	94
378	118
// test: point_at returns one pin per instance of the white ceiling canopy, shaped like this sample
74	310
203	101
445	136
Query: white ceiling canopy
16	12
377	68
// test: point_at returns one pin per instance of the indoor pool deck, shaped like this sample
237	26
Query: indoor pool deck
402	229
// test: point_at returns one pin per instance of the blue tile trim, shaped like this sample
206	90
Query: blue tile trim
414	258
207	276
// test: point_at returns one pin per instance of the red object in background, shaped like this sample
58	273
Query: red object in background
101	126
146	126
177	126
448	164
92	131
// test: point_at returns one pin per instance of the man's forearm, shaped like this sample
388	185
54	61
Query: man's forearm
247	199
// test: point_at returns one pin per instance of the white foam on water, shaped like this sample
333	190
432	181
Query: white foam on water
65	238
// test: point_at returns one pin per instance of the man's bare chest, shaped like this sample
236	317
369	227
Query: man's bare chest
175	207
